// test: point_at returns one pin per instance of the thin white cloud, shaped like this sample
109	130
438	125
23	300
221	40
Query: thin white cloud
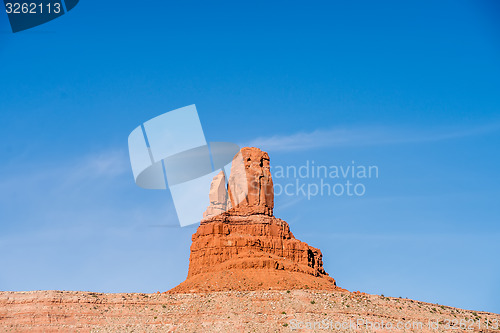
88	191
106	164
367	136
100	165
60	187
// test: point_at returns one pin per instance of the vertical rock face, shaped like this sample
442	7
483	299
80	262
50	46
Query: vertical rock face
240	245
250	187
250	184
217	196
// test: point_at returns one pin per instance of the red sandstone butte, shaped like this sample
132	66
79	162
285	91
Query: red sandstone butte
240	245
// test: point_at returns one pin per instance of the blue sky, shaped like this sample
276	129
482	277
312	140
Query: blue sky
412	88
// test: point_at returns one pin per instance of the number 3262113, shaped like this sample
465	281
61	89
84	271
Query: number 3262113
32	8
